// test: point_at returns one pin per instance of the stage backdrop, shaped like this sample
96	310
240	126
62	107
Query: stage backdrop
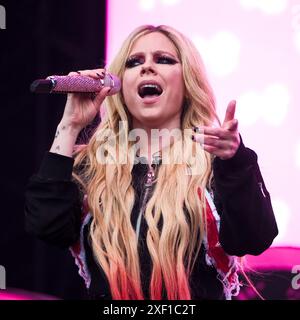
251	49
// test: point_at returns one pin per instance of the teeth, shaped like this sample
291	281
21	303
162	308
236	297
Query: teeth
150	86
149	89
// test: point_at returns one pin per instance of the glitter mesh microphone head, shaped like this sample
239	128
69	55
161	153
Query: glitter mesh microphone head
65	84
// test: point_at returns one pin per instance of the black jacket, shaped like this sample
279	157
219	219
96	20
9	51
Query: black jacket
247	225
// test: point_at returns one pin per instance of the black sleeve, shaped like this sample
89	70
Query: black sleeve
247	225
53	202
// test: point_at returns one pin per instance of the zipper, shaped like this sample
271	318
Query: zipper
147	187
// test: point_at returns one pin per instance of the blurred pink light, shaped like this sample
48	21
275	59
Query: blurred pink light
266	6
277	258
264	77
19	294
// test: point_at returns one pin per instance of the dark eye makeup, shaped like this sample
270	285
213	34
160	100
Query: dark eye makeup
134	61
163	59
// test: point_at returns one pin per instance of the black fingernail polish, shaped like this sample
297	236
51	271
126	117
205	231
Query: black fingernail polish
98	74
193	138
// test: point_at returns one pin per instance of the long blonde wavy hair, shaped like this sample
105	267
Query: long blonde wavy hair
110	196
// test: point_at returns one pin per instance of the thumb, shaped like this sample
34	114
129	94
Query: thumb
99	98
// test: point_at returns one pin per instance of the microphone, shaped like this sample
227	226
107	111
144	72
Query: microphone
73	84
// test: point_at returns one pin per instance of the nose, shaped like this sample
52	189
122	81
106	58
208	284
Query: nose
147	69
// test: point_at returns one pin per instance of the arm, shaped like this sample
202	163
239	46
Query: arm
248	224
52	202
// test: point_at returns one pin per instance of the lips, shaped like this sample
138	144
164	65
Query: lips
149	88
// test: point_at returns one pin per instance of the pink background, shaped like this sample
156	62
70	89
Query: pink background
251	49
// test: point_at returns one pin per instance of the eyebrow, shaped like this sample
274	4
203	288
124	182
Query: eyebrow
136	54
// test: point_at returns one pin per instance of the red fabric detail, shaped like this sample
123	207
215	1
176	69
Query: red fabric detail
76	247
214	249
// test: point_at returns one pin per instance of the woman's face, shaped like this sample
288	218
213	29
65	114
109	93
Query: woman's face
153	85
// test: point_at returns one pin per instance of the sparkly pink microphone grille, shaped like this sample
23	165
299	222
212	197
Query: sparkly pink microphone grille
72	84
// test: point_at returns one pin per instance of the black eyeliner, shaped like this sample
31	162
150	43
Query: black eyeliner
132	61
168	59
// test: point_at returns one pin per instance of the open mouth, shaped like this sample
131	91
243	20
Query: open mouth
149	90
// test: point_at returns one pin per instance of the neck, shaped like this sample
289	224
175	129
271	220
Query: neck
153	139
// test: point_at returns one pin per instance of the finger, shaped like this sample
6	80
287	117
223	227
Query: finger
222	154
99	97
230	111
211	141
100	73
95	74
212	131
72	74
215	142
231	125
210	149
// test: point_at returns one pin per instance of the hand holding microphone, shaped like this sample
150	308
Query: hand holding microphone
86	91
80	83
